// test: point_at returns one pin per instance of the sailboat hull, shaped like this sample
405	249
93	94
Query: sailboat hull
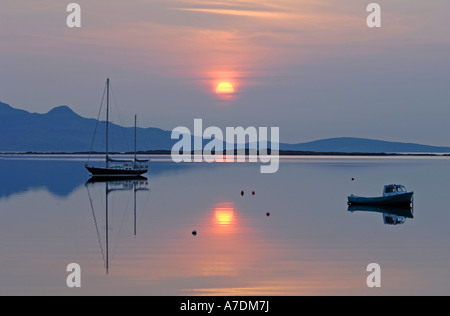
115	172
111	179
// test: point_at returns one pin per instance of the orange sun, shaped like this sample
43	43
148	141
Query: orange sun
225	88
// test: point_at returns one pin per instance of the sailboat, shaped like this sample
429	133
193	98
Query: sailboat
114	167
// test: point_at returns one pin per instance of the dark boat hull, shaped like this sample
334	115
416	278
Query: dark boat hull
100	179
404	199
110	172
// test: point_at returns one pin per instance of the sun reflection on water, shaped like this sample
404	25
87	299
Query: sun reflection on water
224	215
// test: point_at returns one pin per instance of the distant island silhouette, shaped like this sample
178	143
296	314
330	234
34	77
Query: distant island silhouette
61	130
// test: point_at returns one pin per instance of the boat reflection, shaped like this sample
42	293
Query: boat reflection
112	185
391	215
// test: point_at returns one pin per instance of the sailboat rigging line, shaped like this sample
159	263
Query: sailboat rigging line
120	117
96	226
96	125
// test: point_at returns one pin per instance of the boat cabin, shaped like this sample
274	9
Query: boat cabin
394	189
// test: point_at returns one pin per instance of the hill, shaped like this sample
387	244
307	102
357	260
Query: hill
362	145
62	130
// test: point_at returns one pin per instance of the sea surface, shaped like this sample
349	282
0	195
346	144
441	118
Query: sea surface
294	236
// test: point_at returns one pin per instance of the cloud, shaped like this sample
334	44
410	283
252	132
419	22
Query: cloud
244	13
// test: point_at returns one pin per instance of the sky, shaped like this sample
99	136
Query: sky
313	68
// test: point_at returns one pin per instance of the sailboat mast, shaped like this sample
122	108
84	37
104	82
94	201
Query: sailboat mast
107	120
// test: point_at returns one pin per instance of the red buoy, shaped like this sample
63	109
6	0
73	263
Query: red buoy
242	193
268	214
253	193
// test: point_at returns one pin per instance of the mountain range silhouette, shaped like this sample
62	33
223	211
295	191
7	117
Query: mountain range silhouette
62	130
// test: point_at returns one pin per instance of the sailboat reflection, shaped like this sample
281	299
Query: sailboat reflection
391	215
135	184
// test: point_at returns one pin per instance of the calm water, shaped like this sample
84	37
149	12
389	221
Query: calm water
310	244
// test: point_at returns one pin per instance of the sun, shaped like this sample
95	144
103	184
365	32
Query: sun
224	88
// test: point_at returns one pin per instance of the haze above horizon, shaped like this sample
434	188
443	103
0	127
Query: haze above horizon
313	68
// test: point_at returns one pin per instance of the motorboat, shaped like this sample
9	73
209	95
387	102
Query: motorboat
393	194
